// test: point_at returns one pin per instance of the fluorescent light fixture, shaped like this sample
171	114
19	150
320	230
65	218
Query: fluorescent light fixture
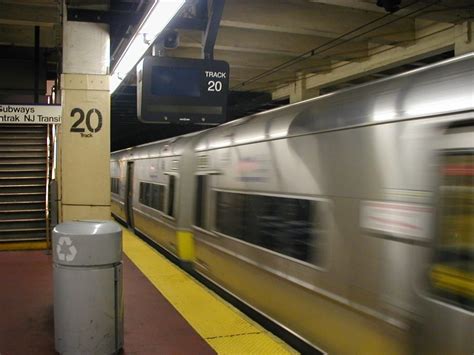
160	14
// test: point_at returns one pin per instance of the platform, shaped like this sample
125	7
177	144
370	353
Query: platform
166	310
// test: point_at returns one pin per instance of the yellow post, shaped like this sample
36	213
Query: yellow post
84	135
85	148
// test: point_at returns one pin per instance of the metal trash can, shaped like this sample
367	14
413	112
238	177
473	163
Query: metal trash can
88	298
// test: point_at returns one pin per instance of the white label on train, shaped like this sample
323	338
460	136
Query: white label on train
397	219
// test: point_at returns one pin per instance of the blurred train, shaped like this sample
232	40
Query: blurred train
348	219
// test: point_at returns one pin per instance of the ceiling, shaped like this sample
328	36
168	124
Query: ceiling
273	47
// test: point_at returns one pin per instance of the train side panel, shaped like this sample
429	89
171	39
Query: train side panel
360	279
118	185
448	299
320	215
162	201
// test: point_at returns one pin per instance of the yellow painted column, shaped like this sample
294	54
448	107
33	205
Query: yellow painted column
464	37
299	91
84	189
84	135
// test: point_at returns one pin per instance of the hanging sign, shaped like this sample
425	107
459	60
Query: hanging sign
30	114
182	90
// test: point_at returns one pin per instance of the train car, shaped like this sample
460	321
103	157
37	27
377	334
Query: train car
320	214
449	300
151	185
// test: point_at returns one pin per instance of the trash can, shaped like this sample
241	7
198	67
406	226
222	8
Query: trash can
88	298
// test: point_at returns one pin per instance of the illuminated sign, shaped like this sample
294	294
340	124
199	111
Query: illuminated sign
182	90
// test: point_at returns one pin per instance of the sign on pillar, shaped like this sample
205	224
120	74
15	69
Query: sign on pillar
30	114
85	147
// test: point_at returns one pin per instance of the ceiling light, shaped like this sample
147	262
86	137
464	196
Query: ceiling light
155	21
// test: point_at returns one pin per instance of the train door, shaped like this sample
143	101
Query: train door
449	317
129	194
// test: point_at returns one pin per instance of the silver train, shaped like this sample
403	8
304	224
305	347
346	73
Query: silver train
348	219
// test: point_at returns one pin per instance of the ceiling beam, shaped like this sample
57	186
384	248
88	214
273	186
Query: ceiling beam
353	4
242	74
24	36
444	11
286	44
315	19
440	40
28	15
281	92
251	60
45	3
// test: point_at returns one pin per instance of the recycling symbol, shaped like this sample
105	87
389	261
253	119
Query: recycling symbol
65	249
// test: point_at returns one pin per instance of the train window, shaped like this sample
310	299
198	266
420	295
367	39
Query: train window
451	275
157	197
152	195
171	188
200	205
143	199
289	226
115	185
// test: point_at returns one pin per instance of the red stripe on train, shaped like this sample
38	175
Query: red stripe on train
459	170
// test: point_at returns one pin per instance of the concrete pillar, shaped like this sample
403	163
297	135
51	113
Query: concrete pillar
84	135
299	91
464	38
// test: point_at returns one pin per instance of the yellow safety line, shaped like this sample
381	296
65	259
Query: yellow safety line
226	329
10	246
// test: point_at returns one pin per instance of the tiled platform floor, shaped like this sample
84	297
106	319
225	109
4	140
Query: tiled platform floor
166	310
26	311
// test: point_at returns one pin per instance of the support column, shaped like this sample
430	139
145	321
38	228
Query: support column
299	91
84	135
464	38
